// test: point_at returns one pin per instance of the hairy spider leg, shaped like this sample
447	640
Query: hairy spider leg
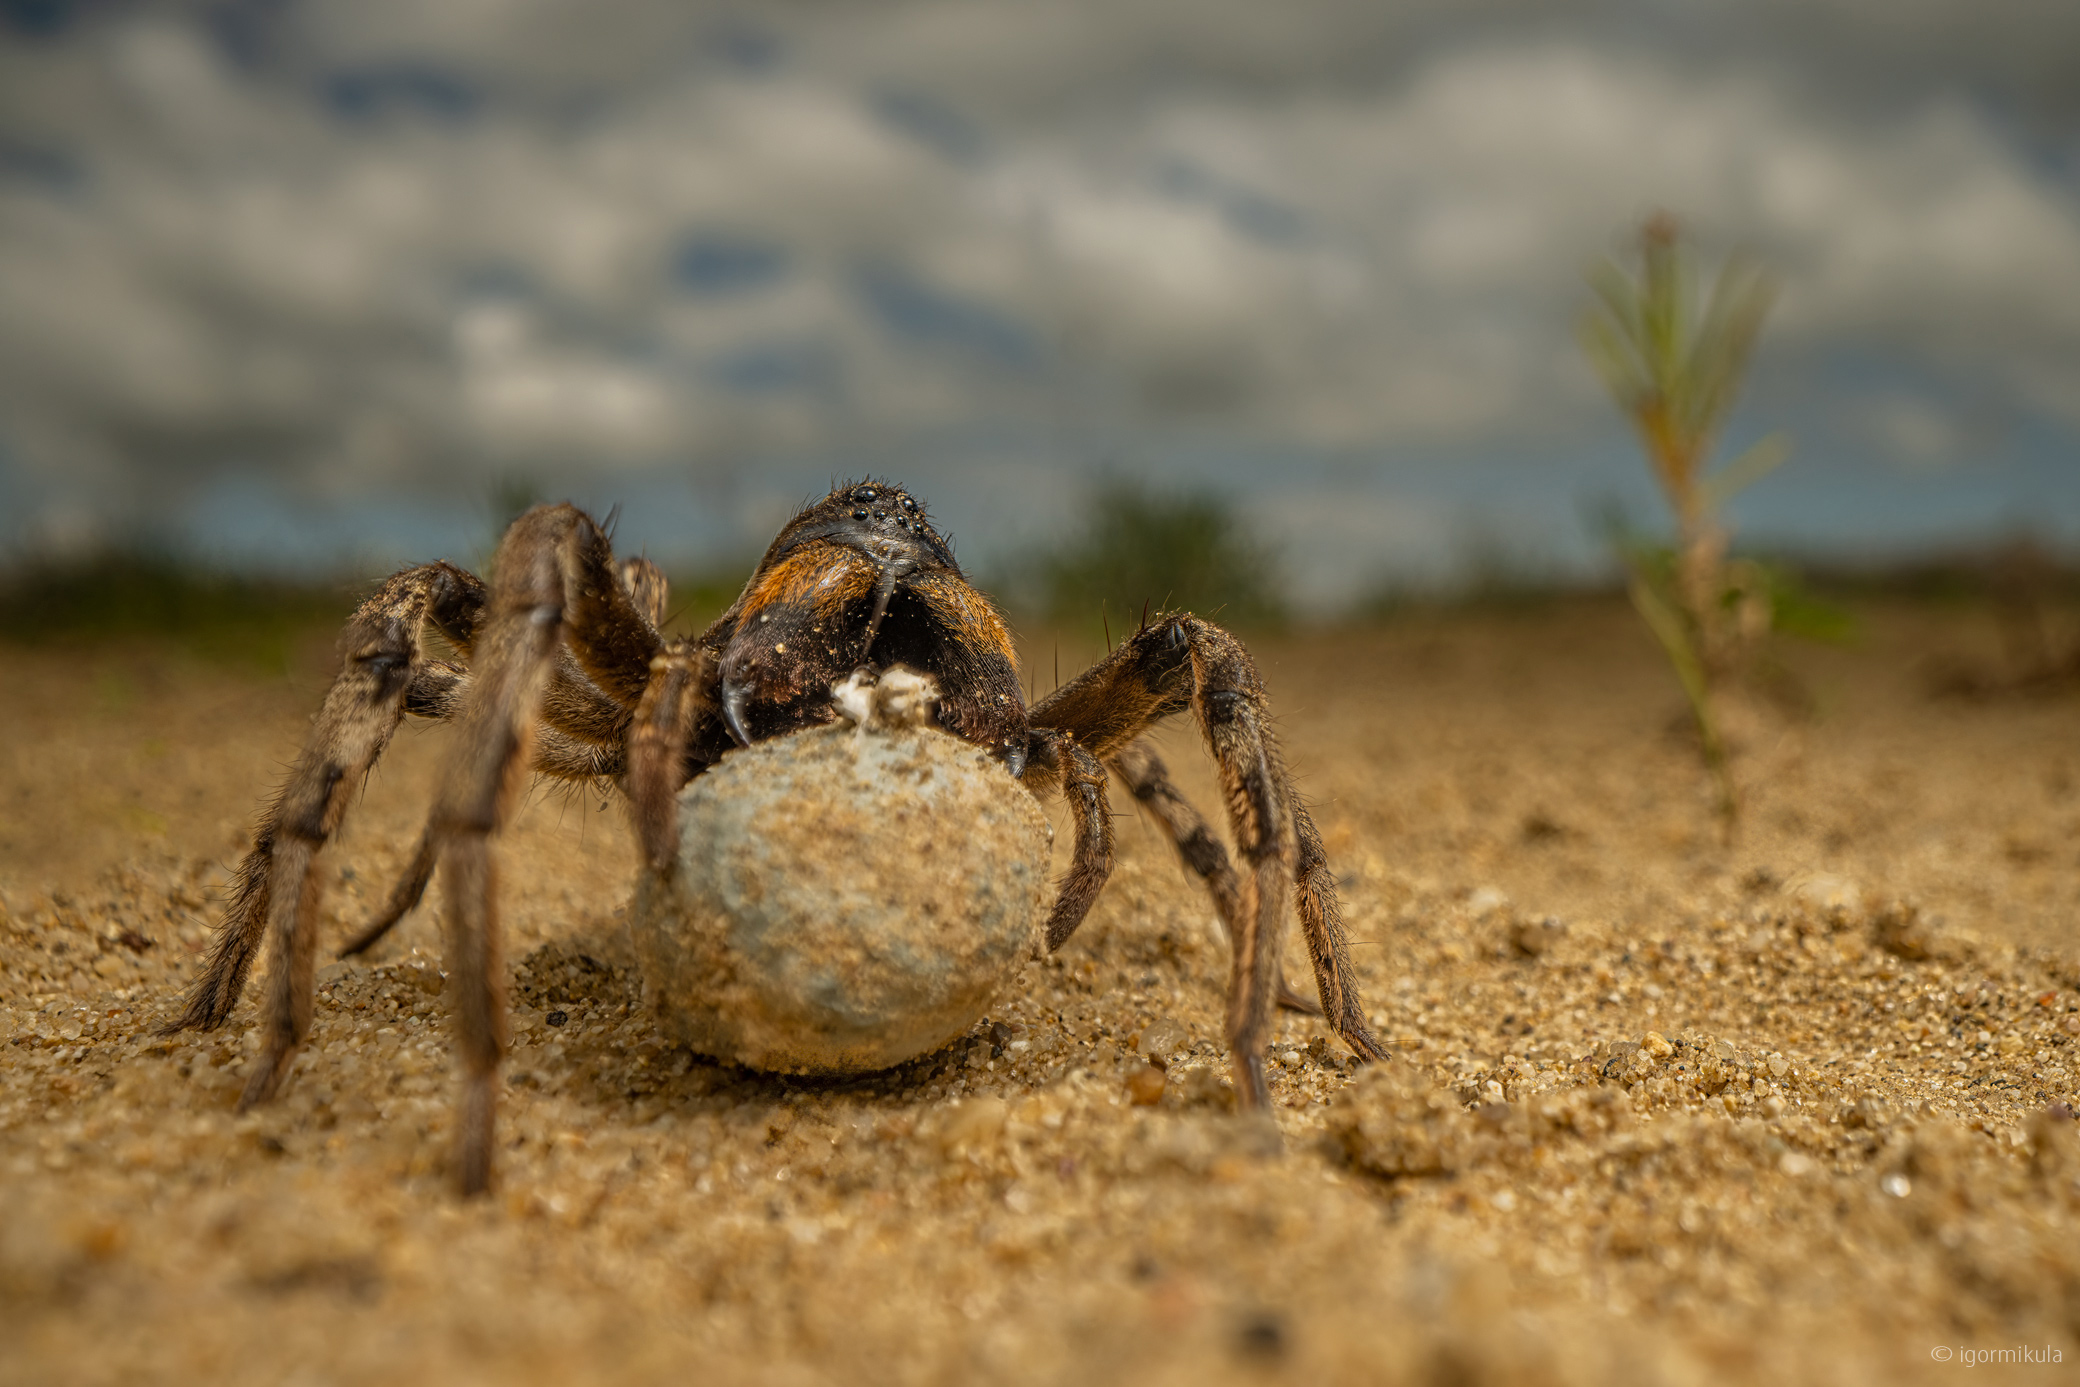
513	654
555	587
1202	854
1328	942
1179	662
437	693
274	893
598	678
590	696
607	628
558	565
646	584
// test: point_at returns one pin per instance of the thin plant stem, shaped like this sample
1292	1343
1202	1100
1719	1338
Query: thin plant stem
1675	367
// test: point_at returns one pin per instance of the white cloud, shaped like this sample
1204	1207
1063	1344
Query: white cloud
1333	234
1912	430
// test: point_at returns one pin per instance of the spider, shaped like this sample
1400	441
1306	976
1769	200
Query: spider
567	673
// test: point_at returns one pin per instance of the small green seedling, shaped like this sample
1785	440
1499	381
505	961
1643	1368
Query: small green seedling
1675	366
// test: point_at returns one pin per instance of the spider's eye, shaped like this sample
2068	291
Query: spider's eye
866	493
909	505
860	514
881	515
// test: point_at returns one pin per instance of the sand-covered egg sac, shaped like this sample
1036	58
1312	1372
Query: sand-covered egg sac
846	898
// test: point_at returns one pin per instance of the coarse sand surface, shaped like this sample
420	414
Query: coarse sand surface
1661	1109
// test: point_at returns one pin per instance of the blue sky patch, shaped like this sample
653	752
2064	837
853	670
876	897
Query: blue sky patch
927	315
777	368
400	89
931	123
722	262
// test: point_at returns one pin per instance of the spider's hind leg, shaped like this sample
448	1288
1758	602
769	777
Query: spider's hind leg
437	693
1179	662
274	894
1149	780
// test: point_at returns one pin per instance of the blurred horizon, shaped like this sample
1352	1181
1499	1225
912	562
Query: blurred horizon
305	287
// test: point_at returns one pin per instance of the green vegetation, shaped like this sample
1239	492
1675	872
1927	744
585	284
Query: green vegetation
1674	366
701	595
254	622
1144	549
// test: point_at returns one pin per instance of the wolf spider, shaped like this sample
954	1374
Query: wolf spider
566	672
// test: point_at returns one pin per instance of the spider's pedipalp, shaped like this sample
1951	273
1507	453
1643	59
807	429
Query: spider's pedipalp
1081	777
673	702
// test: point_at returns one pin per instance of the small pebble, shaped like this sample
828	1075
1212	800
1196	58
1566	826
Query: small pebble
1145	1086
974	1124
1161	1039
1262	1337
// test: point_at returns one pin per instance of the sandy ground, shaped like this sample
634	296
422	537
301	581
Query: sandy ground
1663	1110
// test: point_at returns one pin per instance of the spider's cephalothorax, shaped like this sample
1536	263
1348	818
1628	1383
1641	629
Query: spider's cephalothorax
566	671
862	579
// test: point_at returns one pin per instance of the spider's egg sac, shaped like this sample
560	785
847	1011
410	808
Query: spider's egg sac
847	898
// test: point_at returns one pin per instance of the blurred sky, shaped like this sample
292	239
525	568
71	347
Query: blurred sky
307	283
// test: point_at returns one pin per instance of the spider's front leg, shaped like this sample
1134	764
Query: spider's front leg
554	584
585	708
1179	662
556	581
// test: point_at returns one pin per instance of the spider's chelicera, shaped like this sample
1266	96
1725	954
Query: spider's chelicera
565	672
